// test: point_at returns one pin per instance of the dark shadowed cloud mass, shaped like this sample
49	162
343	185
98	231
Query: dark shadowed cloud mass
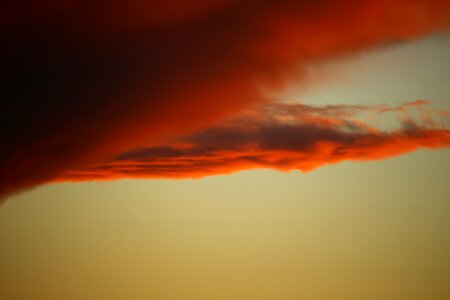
83	81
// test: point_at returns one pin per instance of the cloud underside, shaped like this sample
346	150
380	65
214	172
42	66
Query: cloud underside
84	81
283	137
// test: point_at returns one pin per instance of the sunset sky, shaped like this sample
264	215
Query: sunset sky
225	150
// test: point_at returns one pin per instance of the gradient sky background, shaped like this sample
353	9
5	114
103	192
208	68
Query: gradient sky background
353	230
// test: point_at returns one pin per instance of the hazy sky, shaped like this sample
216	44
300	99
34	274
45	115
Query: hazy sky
353	230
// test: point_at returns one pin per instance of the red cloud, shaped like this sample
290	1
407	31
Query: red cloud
83	81
282	136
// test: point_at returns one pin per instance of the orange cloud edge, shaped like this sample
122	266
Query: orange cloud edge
283	137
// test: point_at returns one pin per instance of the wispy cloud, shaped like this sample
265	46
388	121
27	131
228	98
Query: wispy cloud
282	137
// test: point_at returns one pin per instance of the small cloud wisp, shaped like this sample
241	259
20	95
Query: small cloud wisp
284	137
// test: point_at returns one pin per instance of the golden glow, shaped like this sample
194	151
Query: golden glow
372	231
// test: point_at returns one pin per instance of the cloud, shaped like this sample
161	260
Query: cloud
83	81
279	136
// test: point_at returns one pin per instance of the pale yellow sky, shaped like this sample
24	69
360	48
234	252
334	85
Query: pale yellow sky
352	231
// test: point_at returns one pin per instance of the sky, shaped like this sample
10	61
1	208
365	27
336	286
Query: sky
225	150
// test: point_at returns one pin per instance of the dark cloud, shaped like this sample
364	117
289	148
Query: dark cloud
83	81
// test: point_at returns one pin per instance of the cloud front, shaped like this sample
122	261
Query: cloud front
84	81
